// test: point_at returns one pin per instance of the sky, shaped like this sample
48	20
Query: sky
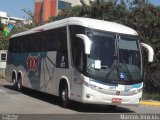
14	7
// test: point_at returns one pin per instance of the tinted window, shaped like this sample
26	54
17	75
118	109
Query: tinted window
34	42
39	44
61	46
51	40
11	47
15	45
26	42
77	46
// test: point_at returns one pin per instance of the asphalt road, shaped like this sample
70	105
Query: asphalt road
33	102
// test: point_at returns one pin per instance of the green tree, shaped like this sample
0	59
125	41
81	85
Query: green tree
18	27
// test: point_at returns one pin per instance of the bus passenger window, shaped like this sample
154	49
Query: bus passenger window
62	51
79	54
61	60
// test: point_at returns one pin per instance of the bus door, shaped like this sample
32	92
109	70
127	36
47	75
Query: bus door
78	63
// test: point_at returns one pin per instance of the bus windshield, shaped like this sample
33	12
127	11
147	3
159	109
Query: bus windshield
114	60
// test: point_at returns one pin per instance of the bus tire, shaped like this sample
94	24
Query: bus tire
14	81
64	96
19	83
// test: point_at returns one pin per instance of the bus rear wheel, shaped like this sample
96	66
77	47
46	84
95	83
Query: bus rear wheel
64	96
19	84
14	83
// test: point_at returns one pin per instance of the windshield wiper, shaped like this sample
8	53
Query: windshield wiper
117	64
114	65
116	58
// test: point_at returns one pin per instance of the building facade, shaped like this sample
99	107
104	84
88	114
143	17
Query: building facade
72	2
44	9
5	19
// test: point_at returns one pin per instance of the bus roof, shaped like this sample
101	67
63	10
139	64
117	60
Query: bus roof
86	22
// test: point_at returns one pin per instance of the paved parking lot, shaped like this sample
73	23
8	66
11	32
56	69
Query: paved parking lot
33	102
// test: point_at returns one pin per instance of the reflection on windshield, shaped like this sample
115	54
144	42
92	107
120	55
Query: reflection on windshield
117	60
129	59
129	52
103	49
101	55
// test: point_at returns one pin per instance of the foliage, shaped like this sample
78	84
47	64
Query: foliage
151	96
18	27
28	13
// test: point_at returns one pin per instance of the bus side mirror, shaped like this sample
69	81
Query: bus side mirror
86	41
150	51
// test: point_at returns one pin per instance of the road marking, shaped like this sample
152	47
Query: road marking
150	103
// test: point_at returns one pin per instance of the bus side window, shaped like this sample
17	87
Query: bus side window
11	46
62	51
62	59
79	54
77	46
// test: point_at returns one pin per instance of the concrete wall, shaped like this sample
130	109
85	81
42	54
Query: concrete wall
73	2
2	73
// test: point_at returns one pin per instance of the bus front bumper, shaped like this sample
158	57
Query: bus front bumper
94	97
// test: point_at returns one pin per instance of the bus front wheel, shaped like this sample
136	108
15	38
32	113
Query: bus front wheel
64	96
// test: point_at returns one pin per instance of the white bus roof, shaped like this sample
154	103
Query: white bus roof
86	22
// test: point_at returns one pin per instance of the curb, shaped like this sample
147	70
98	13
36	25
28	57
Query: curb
151	103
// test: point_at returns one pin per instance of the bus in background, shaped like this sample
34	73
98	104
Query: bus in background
81	59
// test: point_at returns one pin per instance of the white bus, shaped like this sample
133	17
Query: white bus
81	59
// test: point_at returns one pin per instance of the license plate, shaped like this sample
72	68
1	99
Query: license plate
116	100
